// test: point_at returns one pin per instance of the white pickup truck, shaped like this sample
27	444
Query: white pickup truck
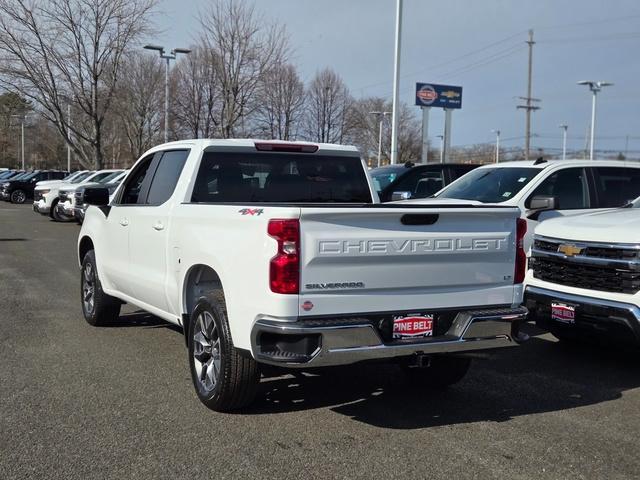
584	281
279	253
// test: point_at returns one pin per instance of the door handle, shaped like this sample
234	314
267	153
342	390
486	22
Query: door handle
158	226
124	222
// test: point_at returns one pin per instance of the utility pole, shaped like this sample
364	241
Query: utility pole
564	128
528	107
497	132
395	118
626	146
168	57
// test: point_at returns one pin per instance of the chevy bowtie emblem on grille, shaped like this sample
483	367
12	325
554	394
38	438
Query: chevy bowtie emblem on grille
569	250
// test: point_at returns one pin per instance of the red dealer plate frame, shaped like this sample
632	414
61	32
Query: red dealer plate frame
563	312
418	325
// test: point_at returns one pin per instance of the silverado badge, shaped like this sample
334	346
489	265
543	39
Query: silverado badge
570	250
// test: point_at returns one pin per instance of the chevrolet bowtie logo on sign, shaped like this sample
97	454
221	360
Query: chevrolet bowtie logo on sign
569	250
450	94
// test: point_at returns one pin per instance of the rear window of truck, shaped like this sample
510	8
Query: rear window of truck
280	178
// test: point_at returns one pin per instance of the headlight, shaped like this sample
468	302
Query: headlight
44	192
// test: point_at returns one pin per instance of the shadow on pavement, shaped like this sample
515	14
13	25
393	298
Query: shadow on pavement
541	376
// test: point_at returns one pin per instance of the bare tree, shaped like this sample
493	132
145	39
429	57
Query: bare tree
245	47
328	103
138	103
281	103
364	130
197	108
60	52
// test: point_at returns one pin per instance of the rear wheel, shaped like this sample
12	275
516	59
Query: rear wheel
98	308
441	372
18	196
224	379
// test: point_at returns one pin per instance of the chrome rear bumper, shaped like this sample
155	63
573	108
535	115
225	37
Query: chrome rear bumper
331	342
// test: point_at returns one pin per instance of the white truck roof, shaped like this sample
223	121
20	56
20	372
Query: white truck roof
251	143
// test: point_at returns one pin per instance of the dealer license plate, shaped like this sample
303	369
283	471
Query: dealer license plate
561	312
413	326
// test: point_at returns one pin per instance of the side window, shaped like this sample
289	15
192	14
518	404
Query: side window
421	183
569	186
616	186
166	176
132	191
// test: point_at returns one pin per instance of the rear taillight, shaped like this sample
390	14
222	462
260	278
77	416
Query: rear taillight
284	269
521	255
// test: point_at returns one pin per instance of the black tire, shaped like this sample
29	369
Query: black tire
98	308
18	196
442	371
53	213
211	350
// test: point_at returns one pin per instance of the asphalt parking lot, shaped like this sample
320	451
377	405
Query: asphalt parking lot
117	402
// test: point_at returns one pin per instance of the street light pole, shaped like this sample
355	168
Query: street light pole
22	119
564	128
497	132
381	115
396	85
168	57
68	138
595	87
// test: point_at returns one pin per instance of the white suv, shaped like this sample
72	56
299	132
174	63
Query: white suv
546	189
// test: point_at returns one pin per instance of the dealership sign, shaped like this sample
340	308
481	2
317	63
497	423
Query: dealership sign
439	96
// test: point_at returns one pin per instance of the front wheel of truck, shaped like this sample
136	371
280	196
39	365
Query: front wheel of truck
224	379
441	372
98	308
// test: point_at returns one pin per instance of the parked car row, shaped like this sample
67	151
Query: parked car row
60	200
282	254
18	186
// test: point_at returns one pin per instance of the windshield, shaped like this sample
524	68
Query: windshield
490	185
81	177
97	177
382	177
110	178
28	176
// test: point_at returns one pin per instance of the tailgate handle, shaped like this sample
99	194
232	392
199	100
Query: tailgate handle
419	218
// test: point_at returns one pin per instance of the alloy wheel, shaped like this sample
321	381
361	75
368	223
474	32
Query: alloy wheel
206	351
88	288
18	196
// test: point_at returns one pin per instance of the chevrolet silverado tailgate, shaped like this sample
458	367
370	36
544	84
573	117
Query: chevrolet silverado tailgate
397	258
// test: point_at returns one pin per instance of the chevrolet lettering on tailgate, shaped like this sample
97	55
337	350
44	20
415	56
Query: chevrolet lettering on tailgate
413	246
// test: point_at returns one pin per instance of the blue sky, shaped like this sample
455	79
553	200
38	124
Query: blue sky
476	44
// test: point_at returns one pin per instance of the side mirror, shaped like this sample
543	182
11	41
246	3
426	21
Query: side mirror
542	202
396	196
539	204
98	196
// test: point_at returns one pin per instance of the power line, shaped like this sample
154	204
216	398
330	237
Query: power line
448	62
